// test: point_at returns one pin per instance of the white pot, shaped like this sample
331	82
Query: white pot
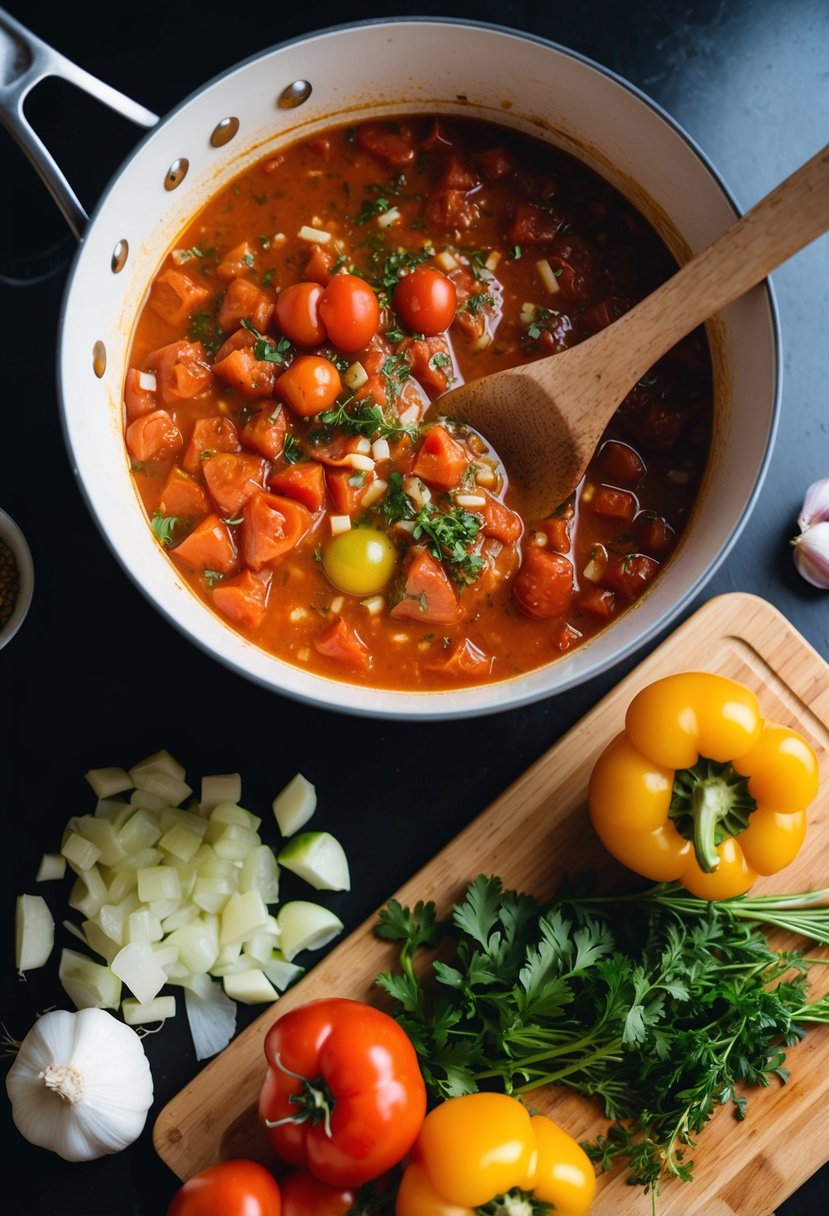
428	66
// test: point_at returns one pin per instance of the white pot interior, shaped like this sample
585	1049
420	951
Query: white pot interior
423	66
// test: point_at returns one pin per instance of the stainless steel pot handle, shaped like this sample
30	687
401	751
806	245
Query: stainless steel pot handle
25	60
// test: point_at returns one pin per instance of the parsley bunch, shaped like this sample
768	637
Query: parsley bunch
658	1005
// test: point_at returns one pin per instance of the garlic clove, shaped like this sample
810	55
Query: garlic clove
815	508
811	554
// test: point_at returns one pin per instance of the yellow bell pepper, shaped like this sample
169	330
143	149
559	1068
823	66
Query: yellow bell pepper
485	1154
699	788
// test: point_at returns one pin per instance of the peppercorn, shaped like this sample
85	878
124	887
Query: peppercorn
9	583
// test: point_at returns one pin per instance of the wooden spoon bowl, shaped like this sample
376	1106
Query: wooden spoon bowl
545	419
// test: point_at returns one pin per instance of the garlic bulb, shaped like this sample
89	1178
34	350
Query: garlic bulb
80	1084
811	546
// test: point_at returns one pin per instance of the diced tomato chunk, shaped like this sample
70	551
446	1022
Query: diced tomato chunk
304	481
430	360
244	301
209	436
495	163
391	146
440	460
574	264
599	602
265	431
621	463
181	371
457	174
209	546
182	496
347	487
452	211
557	531
341	642
153	437
237	261
613	504
232	477
137	399
240	337
604	314
543	586
271	526
319	265
654	531
438	138
466	660
533	225
500	521
175	296
629	575
428	594
242	599
241	370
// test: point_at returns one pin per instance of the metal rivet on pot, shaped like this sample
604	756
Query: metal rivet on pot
119	257
224	132
99	359
176	173
294	95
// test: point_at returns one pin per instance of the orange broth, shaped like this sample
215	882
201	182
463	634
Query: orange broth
248	485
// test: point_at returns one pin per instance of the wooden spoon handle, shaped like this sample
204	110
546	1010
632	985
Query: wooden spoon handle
795	213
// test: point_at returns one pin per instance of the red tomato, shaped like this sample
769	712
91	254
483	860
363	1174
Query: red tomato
343	1095
298	314
349	311
310	384
305	1195
232	1188
425	301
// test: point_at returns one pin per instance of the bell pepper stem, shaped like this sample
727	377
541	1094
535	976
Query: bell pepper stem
710	803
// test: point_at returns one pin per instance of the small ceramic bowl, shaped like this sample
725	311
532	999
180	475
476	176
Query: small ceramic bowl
16	578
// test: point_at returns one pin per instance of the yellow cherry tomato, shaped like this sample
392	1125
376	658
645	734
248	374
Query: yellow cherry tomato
699	788
475	1148
359	561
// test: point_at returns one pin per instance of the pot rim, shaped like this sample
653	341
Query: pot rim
432	705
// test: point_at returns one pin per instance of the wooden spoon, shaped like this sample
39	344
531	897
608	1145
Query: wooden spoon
545	419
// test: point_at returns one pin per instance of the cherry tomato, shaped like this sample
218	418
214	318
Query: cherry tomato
349	311
298	314
425	301
343	1095
309	385
232	1188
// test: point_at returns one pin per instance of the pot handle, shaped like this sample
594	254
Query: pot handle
25	60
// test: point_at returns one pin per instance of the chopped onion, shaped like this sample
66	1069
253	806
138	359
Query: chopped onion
176	891
212	1018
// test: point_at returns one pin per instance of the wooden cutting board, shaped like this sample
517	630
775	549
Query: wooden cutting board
531	835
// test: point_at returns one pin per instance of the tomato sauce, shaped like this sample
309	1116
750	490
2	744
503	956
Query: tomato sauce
284	360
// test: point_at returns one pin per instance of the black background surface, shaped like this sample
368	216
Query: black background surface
96	677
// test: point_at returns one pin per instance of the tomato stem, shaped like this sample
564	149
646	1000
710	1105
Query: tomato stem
315	1100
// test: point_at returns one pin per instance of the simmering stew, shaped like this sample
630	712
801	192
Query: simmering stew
285	357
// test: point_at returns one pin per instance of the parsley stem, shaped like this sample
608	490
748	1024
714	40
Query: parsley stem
610	1051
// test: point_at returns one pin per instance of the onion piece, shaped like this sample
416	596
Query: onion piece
211	1015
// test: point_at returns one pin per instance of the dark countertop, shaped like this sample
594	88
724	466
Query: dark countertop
96	677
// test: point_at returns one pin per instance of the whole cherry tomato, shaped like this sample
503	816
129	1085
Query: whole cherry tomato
298	314
349	311
232	1188
425	301
343	1095
310	384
